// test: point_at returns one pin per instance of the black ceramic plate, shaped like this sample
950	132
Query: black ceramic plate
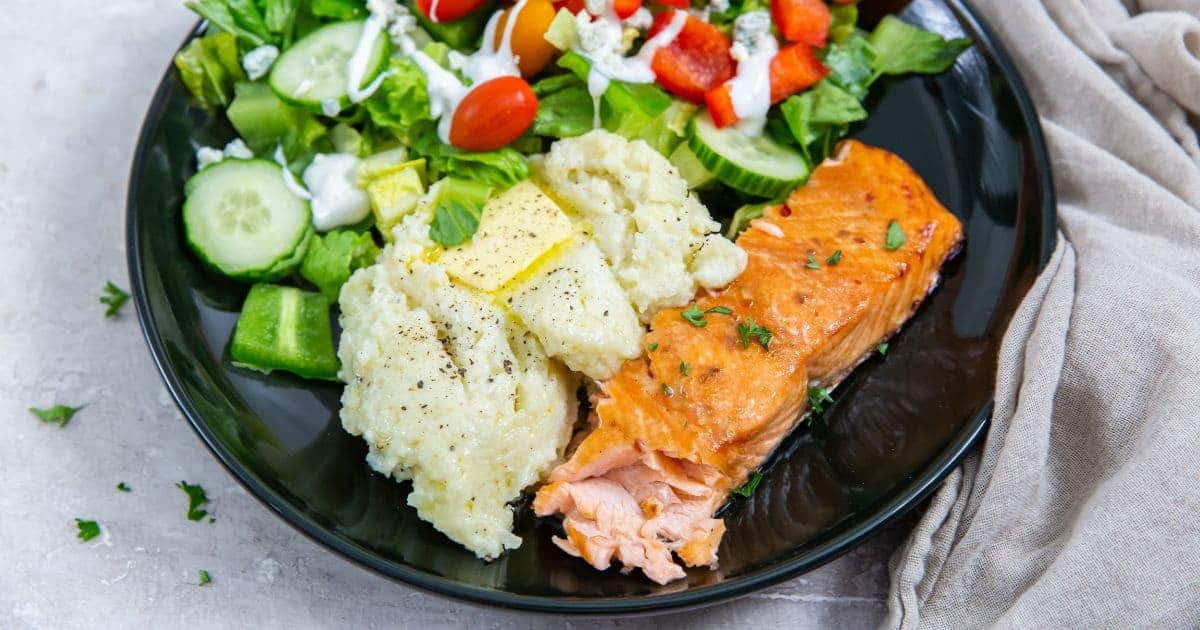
901	422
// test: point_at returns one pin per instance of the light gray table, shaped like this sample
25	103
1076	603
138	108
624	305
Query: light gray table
75	82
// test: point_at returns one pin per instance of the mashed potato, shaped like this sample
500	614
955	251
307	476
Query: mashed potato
450	392
658	238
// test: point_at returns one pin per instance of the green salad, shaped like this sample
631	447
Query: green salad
350	113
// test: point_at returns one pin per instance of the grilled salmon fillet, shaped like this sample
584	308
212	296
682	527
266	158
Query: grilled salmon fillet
676	429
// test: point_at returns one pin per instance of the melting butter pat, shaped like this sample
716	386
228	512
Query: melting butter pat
515	229
394	192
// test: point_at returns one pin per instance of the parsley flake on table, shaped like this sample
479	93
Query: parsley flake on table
123	487
87	529
694	316
834	258
748	330
60	414
114	298
817	397
812	263
895	237
748	488
684	368
720	310
882	347
196	499
205	578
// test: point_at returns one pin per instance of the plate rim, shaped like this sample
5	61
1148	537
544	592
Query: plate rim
921	486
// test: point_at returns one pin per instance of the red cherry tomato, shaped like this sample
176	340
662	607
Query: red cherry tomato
802	21
678	4
574	6
626	8
493	114
449	10
695	62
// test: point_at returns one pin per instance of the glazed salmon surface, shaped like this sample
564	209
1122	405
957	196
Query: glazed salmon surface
676	429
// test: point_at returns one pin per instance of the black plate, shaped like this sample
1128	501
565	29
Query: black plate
901	422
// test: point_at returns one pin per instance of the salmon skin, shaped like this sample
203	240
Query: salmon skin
675	430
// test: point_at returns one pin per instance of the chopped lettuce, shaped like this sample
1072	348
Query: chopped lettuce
264	121
332	257
843	23
851	64
339	9
501	168
819	117
901	48
565	113
241	18
401	104
209	67
458	205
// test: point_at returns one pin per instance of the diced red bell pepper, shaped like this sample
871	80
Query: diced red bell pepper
720	105
802	21
623	8
695	62
795	68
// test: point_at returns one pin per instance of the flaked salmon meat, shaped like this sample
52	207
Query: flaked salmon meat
675	430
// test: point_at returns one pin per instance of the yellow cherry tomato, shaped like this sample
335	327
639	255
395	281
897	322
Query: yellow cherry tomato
529	35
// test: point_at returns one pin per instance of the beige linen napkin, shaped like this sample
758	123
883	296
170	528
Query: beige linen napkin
1082	509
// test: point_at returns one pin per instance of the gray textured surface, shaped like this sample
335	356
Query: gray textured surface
75	86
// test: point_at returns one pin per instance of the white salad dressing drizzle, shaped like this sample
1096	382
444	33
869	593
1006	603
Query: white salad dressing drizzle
381	12
332	180
600	42
750	89
289	180
433	6
207	156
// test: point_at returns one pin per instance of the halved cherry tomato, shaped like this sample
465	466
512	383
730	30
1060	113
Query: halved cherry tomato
720	105
695	62
678	4
449	10
795	68
802	21
529	35
493	114
626	8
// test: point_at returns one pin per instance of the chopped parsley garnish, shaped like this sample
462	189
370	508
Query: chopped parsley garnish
694	316
196	499
748	488
748	330
205	578
817	397
667	390
684	368
123	487
87	529
834	258
114	298
895	237
652	347
812	263
60	414
720	310
882	347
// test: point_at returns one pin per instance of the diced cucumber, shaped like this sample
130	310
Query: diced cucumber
756	165
314	69
284	328
690	168
241	219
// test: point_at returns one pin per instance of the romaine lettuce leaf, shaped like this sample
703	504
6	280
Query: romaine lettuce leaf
209	68
458	205
819	117
901	48
332	257
239	17
565	113
851	64
339	9
501	168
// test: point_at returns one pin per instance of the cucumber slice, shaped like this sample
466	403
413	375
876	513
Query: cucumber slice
242	220
690	169
755	165
284	328
313	70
